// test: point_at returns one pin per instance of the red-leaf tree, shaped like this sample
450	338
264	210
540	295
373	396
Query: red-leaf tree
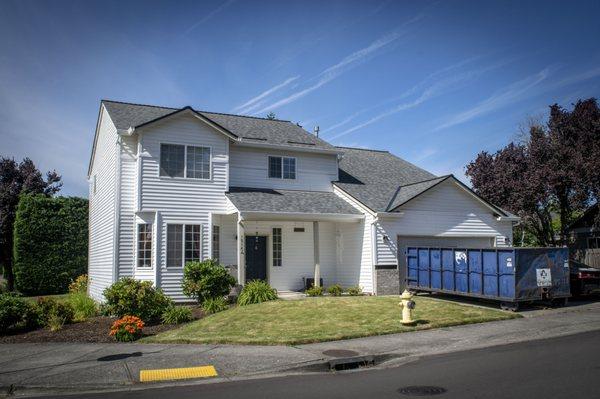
549	178
16	179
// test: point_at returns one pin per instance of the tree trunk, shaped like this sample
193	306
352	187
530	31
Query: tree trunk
6	259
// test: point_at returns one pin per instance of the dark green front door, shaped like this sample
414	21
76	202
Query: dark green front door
256	258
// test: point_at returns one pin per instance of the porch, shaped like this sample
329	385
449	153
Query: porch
289	236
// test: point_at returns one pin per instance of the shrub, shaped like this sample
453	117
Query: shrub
16	314
215	305
52	313
50	243
177	315
314	291
84	306
205	280
354	291
136	298
256	291
127	329
335	290
79	285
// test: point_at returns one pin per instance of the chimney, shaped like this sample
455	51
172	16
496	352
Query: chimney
316	131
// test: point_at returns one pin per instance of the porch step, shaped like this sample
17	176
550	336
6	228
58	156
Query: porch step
290	295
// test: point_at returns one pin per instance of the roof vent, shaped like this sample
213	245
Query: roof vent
316	131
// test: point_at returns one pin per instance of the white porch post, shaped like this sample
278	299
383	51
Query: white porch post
241	267
316	252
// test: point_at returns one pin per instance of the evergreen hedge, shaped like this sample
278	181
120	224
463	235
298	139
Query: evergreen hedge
50	243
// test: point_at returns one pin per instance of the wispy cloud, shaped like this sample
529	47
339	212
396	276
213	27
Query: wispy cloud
347	63
256	102
434	85
208	16
506	96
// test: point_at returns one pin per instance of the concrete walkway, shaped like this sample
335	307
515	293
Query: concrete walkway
31	368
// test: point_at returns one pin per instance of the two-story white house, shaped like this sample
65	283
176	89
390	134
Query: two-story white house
267	199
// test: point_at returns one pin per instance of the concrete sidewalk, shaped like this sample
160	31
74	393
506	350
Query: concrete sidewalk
38	368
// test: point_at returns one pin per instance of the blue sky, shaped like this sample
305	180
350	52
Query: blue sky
433	82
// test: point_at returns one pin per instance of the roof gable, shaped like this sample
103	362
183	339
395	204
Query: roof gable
245	129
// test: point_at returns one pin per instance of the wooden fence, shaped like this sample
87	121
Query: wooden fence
589	257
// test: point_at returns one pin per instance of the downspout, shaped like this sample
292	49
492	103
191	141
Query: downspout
317	282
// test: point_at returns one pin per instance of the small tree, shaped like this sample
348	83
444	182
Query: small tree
16	179
206	280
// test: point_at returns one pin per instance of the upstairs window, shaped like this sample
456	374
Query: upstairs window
189	161
198	163
282	167
172	160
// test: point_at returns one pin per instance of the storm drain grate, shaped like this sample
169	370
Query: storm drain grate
420	390
351	363
340	353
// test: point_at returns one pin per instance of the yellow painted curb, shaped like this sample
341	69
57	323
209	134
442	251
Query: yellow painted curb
177	374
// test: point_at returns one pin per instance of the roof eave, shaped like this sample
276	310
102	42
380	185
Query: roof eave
308	216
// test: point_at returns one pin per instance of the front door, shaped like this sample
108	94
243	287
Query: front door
256	258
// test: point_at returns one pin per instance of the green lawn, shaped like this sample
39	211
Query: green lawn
323	319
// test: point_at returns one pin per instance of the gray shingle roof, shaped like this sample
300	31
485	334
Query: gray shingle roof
373	177
267	200
246	128
410	191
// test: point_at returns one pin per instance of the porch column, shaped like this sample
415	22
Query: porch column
241	266
316	252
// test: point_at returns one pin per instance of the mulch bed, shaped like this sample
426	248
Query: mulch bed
93	330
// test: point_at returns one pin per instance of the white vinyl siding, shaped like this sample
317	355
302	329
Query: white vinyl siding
102	208
249	168
446	210
181	201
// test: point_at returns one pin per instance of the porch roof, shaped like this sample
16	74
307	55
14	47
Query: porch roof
289	202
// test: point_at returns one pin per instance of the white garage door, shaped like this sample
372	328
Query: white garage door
444	242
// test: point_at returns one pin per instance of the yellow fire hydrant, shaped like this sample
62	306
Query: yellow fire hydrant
407	305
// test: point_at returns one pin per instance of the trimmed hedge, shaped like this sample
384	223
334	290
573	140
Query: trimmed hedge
50	243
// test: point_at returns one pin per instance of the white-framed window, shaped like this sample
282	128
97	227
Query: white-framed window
184	244
216	242
277	246
282	167
178	160
174	245
144	245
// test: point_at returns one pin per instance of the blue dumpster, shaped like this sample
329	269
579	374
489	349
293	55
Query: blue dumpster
508	275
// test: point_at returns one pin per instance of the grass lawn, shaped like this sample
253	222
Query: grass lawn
323	319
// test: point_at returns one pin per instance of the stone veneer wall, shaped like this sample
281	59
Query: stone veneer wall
388	282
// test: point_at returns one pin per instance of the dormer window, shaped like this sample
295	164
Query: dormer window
282	168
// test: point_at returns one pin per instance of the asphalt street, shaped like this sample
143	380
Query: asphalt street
565	367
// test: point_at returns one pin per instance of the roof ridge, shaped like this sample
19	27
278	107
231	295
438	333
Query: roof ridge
362	149
138	104
197	110
244	116
426	180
